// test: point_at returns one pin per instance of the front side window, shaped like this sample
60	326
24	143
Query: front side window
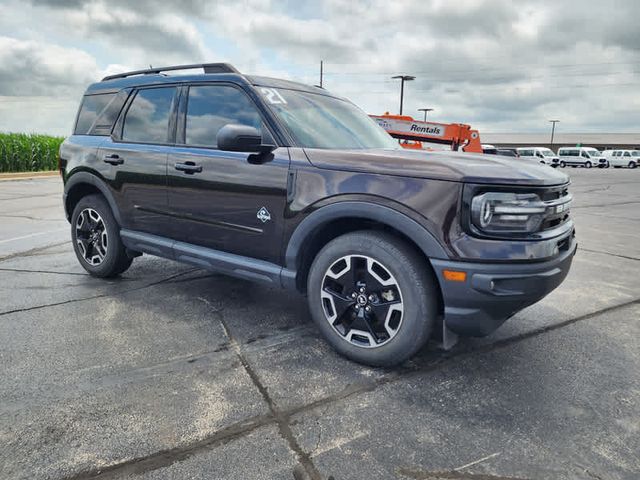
211	107
321	121
627	154
147	119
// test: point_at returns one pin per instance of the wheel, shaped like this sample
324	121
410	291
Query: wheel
588	164
96	238
563	164
632	165
372	297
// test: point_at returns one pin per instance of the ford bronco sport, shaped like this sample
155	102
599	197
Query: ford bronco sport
286	184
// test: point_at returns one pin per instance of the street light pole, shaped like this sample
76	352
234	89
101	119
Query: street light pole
553	130
425	110
403	78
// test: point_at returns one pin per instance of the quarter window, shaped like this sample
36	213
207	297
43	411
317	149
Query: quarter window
211	107
92	106
147	119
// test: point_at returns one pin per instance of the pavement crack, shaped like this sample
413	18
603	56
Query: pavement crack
281	418
30	217
33	252
22	270
418	474
93	297
609	253
601	205
167	457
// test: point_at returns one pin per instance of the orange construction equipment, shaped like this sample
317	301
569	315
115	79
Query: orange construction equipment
413	132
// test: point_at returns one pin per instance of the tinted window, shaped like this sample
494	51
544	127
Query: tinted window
211	107
627	154
92	106
147	119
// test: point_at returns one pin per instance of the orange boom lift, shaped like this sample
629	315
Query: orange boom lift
413	132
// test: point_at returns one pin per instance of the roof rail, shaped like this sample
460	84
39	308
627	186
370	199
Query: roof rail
207	67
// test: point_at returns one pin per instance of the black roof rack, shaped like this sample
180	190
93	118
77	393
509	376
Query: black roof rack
207	67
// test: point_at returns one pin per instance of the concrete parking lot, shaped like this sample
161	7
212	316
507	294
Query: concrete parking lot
174	372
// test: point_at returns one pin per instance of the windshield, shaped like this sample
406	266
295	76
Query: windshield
547	153
635	153
319	121
593	152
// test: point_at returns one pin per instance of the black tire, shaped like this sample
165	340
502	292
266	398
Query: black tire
416	293
563	164
632	165
113	258
588	165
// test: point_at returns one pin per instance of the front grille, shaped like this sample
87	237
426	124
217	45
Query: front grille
558	202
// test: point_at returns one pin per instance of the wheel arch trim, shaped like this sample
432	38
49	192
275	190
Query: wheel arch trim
85	178
419	234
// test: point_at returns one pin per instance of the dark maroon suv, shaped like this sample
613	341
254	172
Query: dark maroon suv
286	184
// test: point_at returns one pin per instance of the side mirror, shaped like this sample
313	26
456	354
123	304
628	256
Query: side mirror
241	138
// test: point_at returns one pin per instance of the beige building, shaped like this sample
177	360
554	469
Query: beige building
601	141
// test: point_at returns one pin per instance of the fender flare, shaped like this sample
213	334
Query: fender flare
80	178
388	216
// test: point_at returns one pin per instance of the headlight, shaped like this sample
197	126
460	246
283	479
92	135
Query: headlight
502	212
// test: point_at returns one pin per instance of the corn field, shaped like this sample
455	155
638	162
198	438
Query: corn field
22	152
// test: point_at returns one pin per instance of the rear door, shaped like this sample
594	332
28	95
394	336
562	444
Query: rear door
137	153
228	201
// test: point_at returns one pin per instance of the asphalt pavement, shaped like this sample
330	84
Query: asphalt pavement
171	372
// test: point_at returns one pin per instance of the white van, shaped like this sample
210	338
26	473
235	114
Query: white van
622	158
581	157
539	154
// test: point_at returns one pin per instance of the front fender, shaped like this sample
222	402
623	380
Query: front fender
358	209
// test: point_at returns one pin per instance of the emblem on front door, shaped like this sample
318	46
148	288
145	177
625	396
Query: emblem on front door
263	215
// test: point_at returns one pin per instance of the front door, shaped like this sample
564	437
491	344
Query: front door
228	201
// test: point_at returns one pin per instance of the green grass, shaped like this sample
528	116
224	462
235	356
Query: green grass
22	152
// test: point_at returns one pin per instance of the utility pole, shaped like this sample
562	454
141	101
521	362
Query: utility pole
425	110
321	73
553	130
403	78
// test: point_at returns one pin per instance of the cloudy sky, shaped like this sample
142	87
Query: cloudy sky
502	66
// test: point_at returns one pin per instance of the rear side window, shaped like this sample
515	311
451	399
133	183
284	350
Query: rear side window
569	153
147	120
92	106
211	107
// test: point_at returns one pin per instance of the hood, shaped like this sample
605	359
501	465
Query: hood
442	165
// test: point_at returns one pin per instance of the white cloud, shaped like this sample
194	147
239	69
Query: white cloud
496	64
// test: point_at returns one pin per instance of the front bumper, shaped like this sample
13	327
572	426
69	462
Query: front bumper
494	292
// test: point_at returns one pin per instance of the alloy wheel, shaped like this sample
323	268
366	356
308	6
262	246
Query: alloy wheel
362	301
91	236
